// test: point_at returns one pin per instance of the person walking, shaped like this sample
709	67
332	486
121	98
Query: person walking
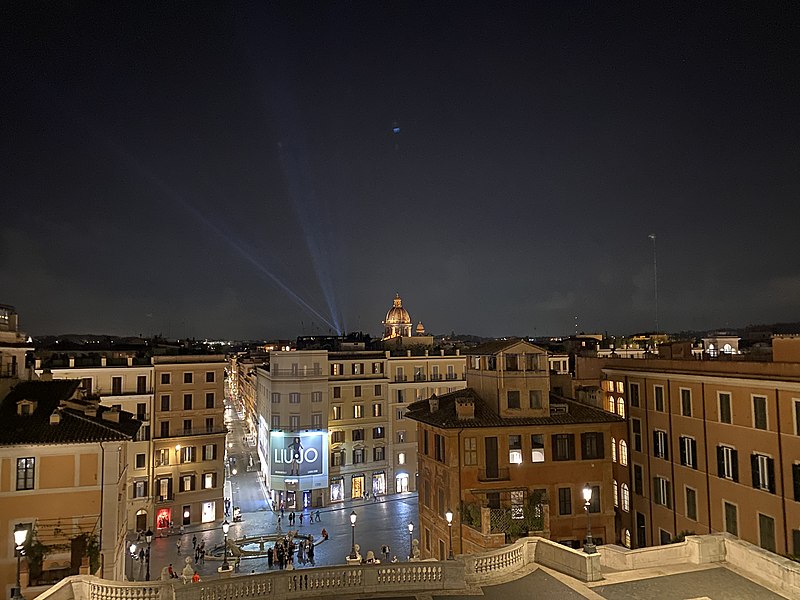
318	519
194	542
178	546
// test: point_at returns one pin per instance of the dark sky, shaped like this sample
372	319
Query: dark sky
193	169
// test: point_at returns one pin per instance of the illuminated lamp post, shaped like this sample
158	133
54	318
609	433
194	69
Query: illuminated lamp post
132	550
20	536
148	537
353	517
589	546
225	527
449	516
410	540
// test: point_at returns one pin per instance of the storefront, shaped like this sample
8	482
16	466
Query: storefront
164	518
401	483
337	489
209	512
379	483
357	486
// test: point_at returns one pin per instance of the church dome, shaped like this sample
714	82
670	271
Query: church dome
398	321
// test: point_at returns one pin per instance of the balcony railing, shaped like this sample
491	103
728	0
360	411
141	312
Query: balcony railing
436	376
420	377
301	372
401	378
194	431
500	474
455	377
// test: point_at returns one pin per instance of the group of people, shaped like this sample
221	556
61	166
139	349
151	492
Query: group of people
285	550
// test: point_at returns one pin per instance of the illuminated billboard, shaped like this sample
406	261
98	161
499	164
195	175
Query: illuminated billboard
300	458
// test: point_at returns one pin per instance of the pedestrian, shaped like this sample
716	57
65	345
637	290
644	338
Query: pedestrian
324	534
141	554
203	556
195	577
386	551
270	557
311	553
281	508
318	519
171	571
301	518
194	541
366	495
178	546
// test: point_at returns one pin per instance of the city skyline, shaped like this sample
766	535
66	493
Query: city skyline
261	172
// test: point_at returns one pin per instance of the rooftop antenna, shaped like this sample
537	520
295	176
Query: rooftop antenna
652	236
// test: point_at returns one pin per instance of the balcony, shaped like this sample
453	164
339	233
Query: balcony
193	431
168	498
455	377
500	474
436	377
400	378
294	373
420	377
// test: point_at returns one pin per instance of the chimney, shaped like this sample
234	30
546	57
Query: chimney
433	403
71	362
441	352
90	411
458	352
55	417
37	363
130	361
111	415
465	409
103	360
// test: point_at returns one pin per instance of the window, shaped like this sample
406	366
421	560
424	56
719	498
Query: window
563	446
337	436
276	397
187	402
141	461
611	404
336	413
724	407
400	396
358	435
623	453
209	399
188	454
378	433
275	422
337	369
378	453
116	386
294	397
688	450
727	463
638	477
401	458
400	413
401	437
537	447
626	497
686	402
691	504
316	396
613	450
377	390
165	402
796	481
141	384
438	450
763	469
337	391
616	492
620	387
164	429
535	398
665	537
316	420
731	518
513	398
210	452
637	434
209	481
515	449
660	444
210	377
760	412
357	391
621	406
163	457
165	379
658	391
634	394
564	501
766	532
358	456
337	459
471	452
592	445
140	489
187	377
294	422
186	483
209	424
26	470
377	368
661	492
187	425
377	409
358	411
358	368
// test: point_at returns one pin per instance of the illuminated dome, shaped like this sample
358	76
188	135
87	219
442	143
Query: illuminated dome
398	321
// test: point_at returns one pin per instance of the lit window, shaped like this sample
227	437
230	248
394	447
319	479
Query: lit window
616	493
537	447
611	404
621	406
620	387
336	413
626	497
626	537
623	453
401	458
613	450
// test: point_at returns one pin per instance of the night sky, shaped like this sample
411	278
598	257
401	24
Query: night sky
197	170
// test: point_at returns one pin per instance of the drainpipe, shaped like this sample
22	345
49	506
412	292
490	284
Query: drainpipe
779	463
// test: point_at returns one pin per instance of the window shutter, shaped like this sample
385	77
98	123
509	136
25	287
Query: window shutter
796	480
694	453
554	443
720	462
735	456
656	493
656	448
666	446
771	475
668	499
601	446
682	449
754	469
584	446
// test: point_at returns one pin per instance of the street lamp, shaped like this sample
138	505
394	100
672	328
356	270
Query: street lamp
410	539
225	527
449	516
353	517
20	535
133	557
148	537
589	546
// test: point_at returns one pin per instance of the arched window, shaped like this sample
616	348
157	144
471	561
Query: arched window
626	537
616	493
613	449
623	453
621	406
626	497
611	404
